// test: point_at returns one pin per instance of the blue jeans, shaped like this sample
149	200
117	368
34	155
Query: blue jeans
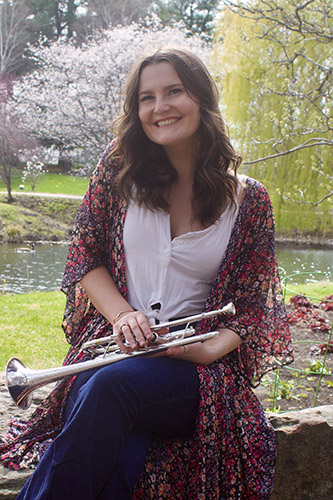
111	417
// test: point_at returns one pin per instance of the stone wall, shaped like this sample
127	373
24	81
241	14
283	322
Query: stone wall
304	469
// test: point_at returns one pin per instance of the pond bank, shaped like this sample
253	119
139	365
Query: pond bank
46	217
35	218
304	241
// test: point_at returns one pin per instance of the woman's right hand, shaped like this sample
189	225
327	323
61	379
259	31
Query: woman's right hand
132	327
128	326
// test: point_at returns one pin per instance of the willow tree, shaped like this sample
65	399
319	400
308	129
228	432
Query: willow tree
273	66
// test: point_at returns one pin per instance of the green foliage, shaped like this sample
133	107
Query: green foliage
276	99
197	16
52	19
14	233
316	366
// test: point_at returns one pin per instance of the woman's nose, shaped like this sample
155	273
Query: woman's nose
161	105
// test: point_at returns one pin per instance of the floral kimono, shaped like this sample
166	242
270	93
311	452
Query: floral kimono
232	453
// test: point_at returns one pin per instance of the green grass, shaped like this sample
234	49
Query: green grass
52	183
30	329
316	291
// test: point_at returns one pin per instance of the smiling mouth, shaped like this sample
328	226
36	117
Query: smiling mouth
170	121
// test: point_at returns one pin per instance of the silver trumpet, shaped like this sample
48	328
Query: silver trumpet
22	381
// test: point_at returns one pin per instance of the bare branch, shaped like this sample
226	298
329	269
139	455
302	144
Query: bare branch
307	144
315	63
272	12
304	202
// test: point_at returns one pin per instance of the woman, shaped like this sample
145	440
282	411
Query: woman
167	228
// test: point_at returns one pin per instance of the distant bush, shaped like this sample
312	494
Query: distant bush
14	234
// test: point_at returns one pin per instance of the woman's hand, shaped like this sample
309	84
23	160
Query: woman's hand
128	325
132	327
204	353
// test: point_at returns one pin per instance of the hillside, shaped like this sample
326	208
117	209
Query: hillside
36	218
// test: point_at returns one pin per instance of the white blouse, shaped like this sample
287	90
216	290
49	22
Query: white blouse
171	278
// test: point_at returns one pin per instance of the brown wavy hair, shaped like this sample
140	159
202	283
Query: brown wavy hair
145	164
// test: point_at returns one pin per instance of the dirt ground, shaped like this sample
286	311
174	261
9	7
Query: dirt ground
294	390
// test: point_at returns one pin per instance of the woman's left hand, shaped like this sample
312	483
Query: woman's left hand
204	353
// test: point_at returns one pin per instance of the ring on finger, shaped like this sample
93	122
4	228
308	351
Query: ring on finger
122	326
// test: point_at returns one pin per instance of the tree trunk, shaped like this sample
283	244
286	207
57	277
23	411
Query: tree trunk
6	175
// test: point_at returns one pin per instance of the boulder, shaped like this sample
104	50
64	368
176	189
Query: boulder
11	482
304	467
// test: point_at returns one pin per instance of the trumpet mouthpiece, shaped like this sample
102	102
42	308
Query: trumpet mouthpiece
229	309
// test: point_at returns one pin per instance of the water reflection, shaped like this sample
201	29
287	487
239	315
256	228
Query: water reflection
41	269
25	270
296	261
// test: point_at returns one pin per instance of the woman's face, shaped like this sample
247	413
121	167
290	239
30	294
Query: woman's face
169	115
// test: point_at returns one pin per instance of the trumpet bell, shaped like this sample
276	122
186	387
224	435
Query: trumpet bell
17	384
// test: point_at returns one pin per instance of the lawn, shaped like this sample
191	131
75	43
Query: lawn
52	183
30	329
315	291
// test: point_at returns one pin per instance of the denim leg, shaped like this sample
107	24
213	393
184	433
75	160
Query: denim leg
124	476
155	395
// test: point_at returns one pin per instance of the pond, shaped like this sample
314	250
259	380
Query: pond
24	270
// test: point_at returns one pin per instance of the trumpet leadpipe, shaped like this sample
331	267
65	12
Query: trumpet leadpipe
229	309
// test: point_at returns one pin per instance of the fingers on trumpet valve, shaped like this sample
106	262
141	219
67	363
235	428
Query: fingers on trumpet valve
132	331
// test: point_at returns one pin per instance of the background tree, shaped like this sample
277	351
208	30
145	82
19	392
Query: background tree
100	15
198	16
14	139
13	36
80	19
33	171
53	19
76	92
275	68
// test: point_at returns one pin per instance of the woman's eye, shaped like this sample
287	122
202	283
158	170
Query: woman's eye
177	90
146	98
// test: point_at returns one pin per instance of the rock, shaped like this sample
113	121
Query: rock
304	461
11	482
305	454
